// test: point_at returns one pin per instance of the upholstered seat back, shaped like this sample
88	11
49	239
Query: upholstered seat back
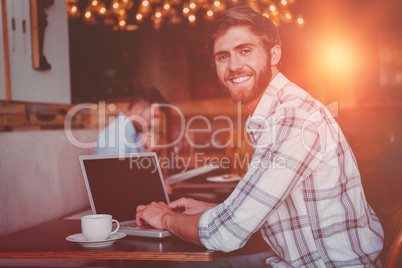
40	177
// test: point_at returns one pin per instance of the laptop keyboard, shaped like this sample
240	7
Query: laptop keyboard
135	226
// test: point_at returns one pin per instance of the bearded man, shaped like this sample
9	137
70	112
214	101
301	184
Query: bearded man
312	211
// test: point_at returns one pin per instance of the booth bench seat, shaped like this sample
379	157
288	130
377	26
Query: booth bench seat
40	177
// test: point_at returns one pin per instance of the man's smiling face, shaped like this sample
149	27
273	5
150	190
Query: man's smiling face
242	64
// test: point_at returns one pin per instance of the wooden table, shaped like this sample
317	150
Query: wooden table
48	241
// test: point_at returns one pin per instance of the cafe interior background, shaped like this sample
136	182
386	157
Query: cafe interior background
347	54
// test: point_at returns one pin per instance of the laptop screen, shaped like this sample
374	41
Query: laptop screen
117	186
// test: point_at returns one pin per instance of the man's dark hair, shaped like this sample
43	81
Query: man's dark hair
148	95
242	16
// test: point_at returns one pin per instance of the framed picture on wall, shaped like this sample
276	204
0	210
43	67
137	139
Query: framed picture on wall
203	78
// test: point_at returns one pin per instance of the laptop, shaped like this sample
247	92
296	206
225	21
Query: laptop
117	184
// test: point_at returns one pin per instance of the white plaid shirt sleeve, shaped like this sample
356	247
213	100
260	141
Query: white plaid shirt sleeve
280	162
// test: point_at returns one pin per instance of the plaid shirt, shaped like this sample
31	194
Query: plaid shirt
302	189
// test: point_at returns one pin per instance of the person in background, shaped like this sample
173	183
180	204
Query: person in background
130	132
311	210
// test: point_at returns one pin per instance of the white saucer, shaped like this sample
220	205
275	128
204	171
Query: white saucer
225	178
80	239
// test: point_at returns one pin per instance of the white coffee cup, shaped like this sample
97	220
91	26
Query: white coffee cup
98	226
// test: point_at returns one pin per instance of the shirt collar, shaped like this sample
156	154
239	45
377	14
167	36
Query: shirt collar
264	105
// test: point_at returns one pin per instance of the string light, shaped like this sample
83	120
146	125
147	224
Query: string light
73	11
300	21
114	12
209	15
191	19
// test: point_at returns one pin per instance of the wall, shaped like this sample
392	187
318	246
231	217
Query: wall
27	84
164	64
2	86
163	61
27	116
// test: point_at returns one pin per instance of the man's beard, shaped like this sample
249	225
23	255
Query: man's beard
246	96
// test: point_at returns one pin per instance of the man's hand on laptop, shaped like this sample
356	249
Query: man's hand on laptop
152	214
190	206
180	217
